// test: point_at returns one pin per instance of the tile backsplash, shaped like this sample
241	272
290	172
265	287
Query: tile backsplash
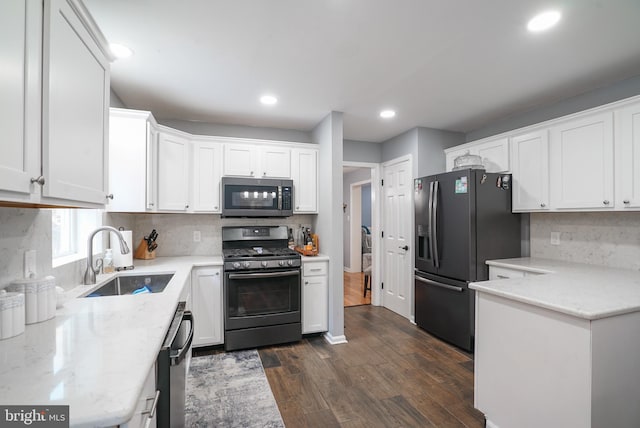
606	239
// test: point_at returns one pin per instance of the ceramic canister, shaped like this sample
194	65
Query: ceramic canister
11	314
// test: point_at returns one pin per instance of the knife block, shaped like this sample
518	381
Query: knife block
143	253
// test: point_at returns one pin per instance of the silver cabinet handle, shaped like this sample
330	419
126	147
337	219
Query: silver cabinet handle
605	202
40	180
626	202
542	205
502	276
152	411
110	196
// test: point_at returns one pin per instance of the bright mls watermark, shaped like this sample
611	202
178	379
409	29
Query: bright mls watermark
34	416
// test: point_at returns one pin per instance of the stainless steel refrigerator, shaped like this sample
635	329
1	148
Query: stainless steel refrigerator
463	218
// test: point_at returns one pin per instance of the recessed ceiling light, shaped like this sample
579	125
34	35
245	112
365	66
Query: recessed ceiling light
387	114
543	21
268	100
120	51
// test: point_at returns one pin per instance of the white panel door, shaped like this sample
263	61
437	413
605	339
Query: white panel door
20	35
206	291
530	167
275	162
207	169
304	168
173	172
581	163
75	111
628	157
398	231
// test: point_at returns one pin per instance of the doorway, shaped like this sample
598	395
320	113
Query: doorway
360	221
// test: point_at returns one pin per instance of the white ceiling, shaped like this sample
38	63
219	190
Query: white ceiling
445	64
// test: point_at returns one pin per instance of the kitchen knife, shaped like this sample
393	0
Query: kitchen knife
152	247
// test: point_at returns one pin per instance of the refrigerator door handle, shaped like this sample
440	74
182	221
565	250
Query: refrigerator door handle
434	239
430	222
438	284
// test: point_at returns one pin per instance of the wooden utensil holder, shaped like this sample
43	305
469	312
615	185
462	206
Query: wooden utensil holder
143	253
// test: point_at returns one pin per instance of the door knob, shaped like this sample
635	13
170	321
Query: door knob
406	248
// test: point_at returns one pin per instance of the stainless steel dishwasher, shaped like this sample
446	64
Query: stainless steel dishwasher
173	364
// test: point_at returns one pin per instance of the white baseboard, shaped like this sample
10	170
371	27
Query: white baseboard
490	424
335	340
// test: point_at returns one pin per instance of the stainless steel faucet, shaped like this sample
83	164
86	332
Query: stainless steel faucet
90	273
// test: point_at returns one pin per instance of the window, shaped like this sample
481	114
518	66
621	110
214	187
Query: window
70	229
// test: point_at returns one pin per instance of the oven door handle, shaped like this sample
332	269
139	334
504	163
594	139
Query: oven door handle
263	274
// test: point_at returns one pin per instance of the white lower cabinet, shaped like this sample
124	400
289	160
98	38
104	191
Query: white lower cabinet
206	300
142	417
315	296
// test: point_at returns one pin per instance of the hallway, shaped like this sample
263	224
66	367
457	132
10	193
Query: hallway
354	290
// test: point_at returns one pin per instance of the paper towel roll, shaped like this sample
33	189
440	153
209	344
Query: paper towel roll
122	260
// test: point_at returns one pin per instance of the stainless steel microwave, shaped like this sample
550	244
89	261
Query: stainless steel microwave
256	197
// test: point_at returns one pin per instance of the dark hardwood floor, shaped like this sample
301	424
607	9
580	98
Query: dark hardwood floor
390	374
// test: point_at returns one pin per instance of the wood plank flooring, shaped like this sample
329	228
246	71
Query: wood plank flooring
390	374
354	290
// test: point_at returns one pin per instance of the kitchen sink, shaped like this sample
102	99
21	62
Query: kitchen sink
133	284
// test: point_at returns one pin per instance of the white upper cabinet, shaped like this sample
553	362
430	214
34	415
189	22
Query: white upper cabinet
20	39
494	153
53	104
627	134
530	164
75	107
581	162
173	171
132	145
304	168
207	170
257	160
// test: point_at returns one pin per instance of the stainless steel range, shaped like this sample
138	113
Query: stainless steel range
261	287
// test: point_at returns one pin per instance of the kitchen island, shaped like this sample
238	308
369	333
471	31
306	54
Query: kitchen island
96	354
558	348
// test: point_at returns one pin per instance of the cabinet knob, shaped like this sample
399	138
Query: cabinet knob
306	282
186	206
626	202
40	180
250	172
605	202
297	207
215	208
542	205
110	196
264	174
150	204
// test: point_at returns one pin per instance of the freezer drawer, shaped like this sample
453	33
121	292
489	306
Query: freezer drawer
444	309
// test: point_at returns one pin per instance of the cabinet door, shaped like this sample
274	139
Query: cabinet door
495	155
75	110
207	169
530	167
173	172
496	272
128	133
207	306
275	162
241	160
305	180
20	44
153	138
581	163
628	157
315	304
451	156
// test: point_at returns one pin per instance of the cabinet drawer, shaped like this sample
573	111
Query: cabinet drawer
314	269
503	273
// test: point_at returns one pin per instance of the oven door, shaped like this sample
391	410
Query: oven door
259	299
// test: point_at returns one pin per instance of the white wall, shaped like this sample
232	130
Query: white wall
328	135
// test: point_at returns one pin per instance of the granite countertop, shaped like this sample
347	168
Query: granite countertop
584	291
96	353
319	258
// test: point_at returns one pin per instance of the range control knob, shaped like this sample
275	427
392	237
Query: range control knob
281	262
246	265
290	262
263	264
236	265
